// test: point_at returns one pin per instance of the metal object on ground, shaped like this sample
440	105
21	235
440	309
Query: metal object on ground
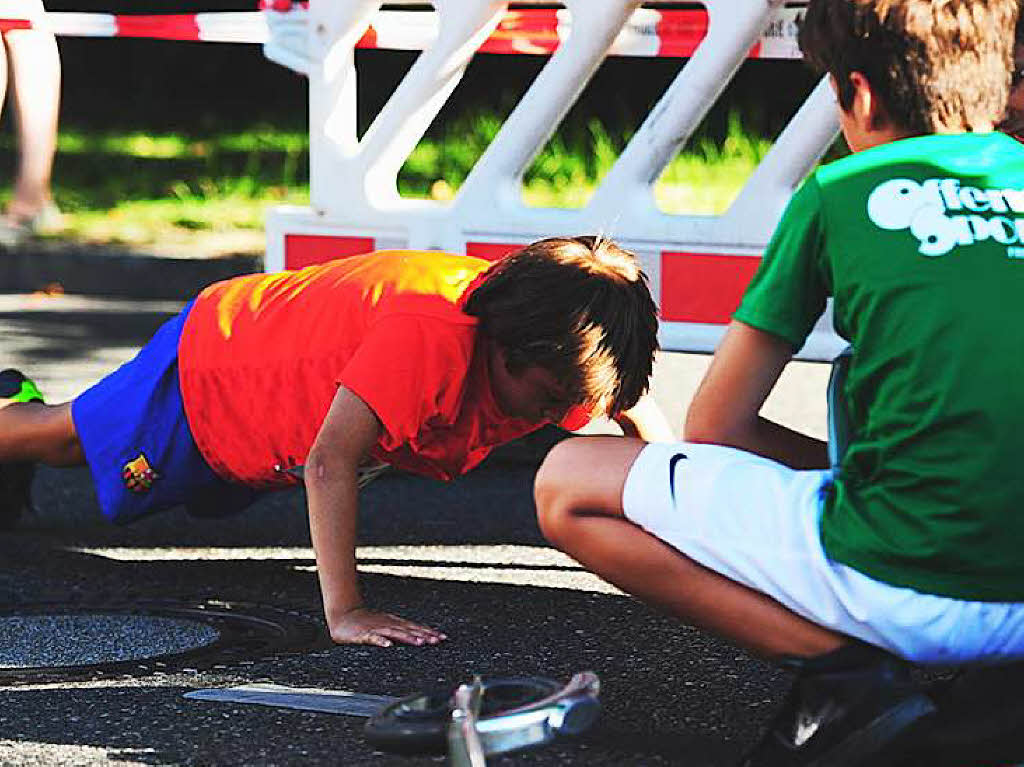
514	713
464	746
301	698
222	633
569	711
488	716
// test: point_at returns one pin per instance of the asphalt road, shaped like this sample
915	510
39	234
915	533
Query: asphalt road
466	557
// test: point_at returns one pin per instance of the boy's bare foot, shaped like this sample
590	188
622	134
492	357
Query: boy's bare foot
364	626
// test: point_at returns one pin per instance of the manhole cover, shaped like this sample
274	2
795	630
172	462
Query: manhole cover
74	640
46	641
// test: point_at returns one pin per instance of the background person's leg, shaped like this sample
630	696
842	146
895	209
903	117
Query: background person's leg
34	79
4	82
579	504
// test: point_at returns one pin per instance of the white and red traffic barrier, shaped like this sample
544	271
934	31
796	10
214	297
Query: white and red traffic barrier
648	32
698	265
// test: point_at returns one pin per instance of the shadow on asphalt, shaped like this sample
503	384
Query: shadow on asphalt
150	726
671	694
65	335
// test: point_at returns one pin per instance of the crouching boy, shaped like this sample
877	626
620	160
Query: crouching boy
423	361
911	548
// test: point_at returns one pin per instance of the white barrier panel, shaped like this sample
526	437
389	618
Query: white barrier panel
282	27
698	265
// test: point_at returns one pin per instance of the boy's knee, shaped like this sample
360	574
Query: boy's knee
583	475
552	490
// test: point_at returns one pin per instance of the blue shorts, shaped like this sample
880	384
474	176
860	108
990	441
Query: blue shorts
136	440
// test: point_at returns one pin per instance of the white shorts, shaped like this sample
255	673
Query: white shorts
755	521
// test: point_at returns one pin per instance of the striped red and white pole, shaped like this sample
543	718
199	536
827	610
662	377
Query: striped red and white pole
649	32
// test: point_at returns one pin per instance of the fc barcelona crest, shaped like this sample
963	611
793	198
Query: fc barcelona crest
138	475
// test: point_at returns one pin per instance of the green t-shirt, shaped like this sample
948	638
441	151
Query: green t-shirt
921	244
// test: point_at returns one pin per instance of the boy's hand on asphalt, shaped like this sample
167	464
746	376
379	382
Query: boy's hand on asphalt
364	626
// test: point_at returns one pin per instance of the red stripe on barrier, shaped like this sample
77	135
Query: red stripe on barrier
6	25
369	39
166	27
680	32
281	6
534	31
308	249
492	251
703	287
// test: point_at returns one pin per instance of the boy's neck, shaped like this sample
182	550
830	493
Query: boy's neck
887	136
880	137
867	123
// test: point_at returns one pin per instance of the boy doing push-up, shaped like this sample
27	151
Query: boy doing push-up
911	548
424	361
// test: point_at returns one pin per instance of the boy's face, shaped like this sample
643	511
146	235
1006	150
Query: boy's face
534	393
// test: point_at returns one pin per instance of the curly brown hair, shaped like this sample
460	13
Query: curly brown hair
938	66
579	307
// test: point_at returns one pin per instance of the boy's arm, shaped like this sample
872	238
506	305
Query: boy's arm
726	408
346	436
645	421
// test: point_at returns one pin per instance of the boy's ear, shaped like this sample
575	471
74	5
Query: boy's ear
866	108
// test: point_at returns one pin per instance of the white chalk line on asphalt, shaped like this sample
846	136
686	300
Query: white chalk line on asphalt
499	554
498	564
578	580
35	752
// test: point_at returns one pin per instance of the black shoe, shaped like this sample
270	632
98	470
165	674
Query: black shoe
979	720
15	492
844	708
16	478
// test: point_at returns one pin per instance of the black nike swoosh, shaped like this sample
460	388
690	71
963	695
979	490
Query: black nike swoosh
672	473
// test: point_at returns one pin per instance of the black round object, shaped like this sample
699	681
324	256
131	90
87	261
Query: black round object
580	717
418	724
245	632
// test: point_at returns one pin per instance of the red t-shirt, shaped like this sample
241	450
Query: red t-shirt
261	357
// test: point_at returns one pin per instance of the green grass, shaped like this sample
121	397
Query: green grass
211	190
174	191
704	179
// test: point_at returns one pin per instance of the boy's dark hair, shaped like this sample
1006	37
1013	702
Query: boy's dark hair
1018	42
938	66
579	307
